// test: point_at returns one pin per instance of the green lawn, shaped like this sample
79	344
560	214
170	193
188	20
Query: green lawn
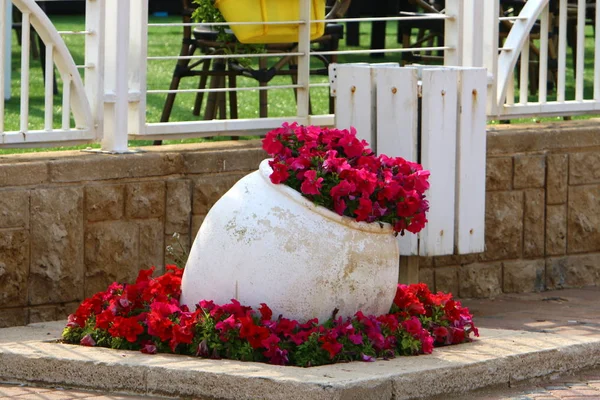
165	41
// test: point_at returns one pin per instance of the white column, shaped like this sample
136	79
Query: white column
7	47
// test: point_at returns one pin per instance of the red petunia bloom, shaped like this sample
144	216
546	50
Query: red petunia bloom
126	327
312	184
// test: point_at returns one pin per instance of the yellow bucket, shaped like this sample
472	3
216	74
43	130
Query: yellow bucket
270	11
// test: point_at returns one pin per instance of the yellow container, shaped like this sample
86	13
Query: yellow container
270	11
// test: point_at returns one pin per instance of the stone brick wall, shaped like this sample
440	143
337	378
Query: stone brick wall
73	222
542	214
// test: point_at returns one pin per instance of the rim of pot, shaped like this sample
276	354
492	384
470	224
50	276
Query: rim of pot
371	227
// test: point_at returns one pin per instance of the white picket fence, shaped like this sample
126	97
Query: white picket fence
436	116
109	103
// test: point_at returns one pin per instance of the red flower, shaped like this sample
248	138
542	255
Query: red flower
280	173
312	184
271	143
253	333
128	328
265	312
363	212
344	188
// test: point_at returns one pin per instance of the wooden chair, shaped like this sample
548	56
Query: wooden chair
218	70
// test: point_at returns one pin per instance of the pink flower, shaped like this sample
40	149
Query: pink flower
364	209
87	340
280	173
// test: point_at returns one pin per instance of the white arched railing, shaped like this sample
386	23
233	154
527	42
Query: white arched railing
74	99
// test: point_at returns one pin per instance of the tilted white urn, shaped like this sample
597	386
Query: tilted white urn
266	243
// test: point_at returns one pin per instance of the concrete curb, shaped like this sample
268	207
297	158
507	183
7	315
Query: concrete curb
27	354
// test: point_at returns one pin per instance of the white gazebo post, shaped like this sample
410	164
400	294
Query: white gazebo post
7	23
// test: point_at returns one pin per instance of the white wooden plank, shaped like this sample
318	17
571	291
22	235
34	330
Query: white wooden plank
35	137
397	120
438	144
354	105
453	32
471	161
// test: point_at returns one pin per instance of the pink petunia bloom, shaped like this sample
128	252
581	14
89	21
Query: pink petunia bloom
312	184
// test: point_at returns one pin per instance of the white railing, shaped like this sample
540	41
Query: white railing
110	103
539	34
74	102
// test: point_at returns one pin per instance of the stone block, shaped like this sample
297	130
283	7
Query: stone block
524	276
56	245
530	172
504	225
573	271
446	279
534	223
121	166
480	280
152	247
426	277
43	314
13	317
557	176
104	202
584	168
584	219
207	162
179	207
499	173
456	259
209	189
111	254
22	174
14	268
145	200
556	230
197	221
14	209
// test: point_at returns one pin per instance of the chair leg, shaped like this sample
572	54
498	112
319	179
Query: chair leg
201	86
233	108
262	95
212	101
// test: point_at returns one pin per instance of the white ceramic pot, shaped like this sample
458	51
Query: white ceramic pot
265	243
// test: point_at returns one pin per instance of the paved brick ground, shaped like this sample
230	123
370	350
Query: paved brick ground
584	385
8	391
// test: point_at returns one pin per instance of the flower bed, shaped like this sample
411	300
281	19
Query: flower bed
336	170
147	316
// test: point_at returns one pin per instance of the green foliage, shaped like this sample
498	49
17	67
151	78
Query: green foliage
310	353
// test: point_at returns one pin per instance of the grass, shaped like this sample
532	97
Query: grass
167	41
